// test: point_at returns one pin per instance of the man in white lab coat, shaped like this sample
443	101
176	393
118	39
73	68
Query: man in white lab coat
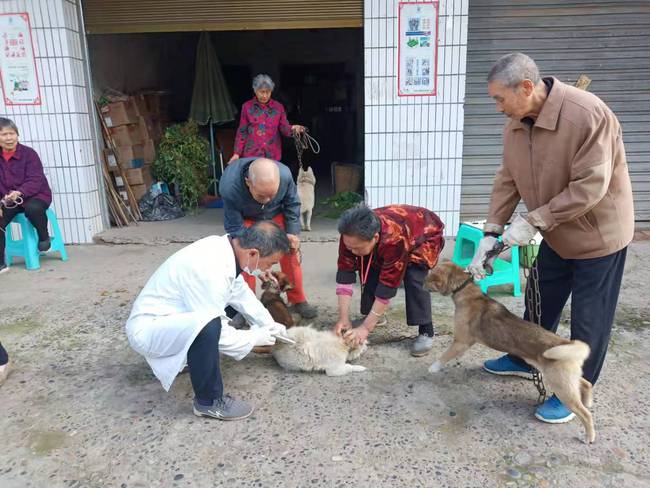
180	315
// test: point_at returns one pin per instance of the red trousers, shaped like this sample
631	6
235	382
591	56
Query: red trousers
289	264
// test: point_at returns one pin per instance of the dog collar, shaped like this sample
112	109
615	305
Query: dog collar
465	283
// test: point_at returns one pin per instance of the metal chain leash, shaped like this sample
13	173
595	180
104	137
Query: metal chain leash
304	141
534	305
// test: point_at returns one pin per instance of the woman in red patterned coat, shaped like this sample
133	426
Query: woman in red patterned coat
262	121
388	246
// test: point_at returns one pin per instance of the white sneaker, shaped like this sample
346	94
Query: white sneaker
3	268
422	345
4	372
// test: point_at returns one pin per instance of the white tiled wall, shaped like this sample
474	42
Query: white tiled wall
414	145
60	129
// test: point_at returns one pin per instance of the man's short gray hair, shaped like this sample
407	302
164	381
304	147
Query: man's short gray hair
359	221
265	236
512	69
8	124
263	81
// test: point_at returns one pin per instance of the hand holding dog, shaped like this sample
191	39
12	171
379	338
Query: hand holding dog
357	336
261	336
519	233
342	325
268	276
477	266
277	328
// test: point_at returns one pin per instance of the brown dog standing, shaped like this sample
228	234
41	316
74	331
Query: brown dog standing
480	319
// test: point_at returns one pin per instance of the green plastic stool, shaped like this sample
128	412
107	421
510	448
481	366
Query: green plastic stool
505	272
27	246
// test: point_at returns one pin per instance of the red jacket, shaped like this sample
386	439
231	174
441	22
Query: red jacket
259	130
409	236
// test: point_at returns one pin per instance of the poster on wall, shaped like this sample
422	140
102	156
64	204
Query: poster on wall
17	64
417	49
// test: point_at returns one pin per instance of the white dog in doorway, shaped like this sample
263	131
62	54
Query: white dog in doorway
306	183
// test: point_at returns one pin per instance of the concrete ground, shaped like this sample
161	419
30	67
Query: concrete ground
81	409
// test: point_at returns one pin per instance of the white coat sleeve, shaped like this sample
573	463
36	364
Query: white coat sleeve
245	302
234	343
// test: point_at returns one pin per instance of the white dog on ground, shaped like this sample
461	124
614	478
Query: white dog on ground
317	350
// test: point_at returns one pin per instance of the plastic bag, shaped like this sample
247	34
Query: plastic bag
159	207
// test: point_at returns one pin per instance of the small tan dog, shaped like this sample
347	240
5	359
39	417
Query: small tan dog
272	298
306	183
480	319
317	350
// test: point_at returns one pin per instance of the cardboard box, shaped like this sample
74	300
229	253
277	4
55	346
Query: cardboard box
141	105
126	135
111	160
139	176
127	156
119	113
147	130
149	151
156	102
139	191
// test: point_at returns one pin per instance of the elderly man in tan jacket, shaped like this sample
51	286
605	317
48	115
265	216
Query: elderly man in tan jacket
563	155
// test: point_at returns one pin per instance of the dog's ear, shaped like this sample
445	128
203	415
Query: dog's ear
433	282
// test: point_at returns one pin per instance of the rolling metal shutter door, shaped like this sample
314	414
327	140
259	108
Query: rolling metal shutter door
122	16
607	41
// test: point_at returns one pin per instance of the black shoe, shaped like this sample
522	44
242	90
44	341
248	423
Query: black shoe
3	268
44	245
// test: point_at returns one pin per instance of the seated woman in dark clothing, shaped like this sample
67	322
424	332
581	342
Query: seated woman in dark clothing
23	187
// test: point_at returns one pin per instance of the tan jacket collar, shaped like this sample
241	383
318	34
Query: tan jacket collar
550	112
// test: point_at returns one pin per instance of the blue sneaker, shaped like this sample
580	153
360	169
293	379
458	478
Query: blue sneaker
553	411
505	366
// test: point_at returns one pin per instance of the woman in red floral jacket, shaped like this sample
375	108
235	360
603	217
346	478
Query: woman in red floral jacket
388	246
261	123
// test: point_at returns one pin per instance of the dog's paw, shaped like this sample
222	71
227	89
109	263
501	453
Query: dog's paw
435	367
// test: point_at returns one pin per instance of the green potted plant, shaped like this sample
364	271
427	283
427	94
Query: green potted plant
339	203
183	160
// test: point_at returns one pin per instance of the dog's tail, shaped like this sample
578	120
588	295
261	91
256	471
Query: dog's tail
574	351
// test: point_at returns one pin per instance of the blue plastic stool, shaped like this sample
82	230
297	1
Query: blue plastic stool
27	246
505	272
